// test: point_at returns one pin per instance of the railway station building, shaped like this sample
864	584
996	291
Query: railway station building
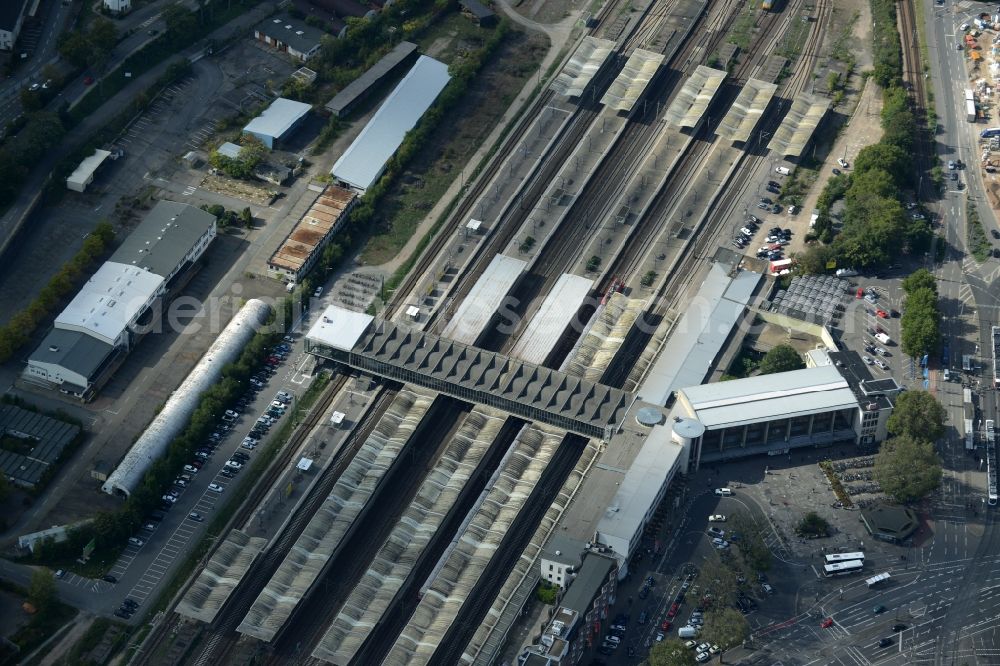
835	402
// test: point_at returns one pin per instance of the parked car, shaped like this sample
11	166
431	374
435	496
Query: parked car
197	517
215	487
109	578
717	518
169	499
190	469
716	532
234	464
136	541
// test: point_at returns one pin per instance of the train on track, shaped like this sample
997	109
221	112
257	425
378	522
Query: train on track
767	5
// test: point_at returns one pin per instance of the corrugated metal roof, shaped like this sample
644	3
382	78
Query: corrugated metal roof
74	350
364	160
550	321
694	97
109	301
746	111
484	299
798	126
761	398
632	80
164	238
309	232
582	66
695	342
87	167
359	86
277	118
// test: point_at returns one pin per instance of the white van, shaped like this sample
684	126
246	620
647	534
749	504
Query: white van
687	632
724	492
784	171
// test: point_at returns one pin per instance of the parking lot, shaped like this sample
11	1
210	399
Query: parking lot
202	487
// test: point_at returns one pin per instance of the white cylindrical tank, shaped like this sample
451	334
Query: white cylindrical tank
175	415
685	431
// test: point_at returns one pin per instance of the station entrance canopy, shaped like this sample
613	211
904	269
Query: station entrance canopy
746	111
532	392
693	99
583	66
632	80
798	126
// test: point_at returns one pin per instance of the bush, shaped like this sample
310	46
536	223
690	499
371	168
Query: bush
813	525
547	593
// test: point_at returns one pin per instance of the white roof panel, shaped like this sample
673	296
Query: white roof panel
641	486
364	160
694	97
701	333
582	66
109	301
484	299
87	167
339	328
552	318
746	111
632	80
277	118
762	398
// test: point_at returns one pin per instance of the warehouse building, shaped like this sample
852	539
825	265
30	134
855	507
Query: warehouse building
363	162
110	313
303	247
277	121
289	35
402	55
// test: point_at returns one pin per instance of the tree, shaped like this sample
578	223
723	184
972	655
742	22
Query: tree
781	359
42	589
246	217
919	279
76	48
547	593
921	323
4	487
907	468
671	652
719	580
726	627
812	524
919	415
815	258
885	157
180	22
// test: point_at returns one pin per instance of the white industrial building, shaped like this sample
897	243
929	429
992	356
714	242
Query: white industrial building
174	417
83	175
363	162
277	121
107	316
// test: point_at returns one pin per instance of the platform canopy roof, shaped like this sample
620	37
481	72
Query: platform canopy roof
581	68
746	111
694	97
632	80
797	128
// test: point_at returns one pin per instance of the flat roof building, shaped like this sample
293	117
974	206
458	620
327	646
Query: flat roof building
12	13
277	121
104	320
289	35
300	250
83	175
363	162
354	92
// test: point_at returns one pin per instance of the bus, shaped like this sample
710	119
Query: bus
989	133
843	568
833	558
995	334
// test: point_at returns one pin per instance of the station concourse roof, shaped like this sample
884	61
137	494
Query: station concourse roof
765	397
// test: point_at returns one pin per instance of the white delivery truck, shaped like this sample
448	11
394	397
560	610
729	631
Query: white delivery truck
687	632
784	171
883	338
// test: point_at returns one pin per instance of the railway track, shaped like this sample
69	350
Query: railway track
913	77
371	528
477	189
222	632
697	247
480	598
260	489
